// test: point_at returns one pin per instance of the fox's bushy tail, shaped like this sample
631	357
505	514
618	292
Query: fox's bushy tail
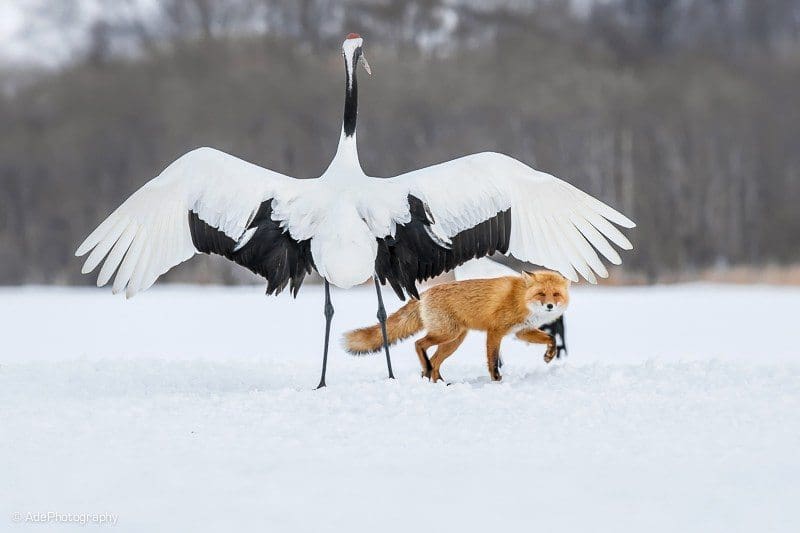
401	324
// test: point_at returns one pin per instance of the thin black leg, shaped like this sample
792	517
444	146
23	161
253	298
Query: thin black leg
328	317
382	320
556	329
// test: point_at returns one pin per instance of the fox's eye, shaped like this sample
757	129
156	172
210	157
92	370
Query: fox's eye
540	295
556	295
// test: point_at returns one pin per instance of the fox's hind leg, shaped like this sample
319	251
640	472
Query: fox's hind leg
445	350
421	346
424	362
431	339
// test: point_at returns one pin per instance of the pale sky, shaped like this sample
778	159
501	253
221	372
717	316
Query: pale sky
10	26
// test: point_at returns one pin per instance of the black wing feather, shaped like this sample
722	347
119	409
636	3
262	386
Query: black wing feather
412	255
271	252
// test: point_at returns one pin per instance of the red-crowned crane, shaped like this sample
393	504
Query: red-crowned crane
350	226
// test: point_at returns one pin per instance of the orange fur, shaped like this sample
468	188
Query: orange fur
401	324
497	306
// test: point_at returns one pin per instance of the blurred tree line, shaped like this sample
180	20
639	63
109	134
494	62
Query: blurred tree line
682	113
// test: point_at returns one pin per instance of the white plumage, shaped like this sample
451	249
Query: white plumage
553	223
344	211
149	232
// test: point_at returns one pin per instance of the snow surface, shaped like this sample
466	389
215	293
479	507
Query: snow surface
193	409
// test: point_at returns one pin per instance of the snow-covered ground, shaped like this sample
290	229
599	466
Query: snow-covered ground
193	409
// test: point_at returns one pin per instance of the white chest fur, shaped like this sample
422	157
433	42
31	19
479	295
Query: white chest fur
539	316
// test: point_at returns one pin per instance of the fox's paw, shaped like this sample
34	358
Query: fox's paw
550	353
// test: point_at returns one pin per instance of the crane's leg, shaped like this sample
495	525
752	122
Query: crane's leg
562	332
557	330
382	320
328	317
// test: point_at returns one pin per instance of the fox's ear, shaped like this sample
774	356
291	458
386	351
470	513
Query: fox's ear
529	277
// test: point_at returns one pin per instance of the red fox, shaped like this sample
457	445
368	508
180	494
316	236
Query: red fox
498	306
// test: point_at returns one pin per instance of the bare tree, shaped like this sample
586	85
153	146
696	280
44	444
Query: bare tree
644	104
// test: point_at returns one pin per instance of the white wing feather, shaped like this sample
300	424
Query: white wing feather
149	233
553	224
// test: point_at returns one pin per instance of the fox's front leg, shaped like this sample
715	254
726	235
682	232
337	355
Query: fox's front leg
493	339
538	336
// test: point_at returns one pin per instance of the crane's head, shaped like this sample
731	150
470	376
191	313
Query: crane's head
353	53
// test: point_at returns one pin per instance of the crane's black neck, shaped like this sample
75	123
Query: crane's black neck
351	95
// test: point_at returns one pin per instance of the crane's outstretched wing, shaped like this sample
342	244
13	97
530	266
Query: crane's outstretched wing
487	202
206	201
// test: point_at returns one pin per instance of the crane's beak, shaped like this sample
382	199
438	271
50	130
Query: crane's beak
363	61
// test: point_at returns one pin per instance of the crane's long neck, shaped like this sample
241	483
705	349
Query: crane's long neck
346	157
350	98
